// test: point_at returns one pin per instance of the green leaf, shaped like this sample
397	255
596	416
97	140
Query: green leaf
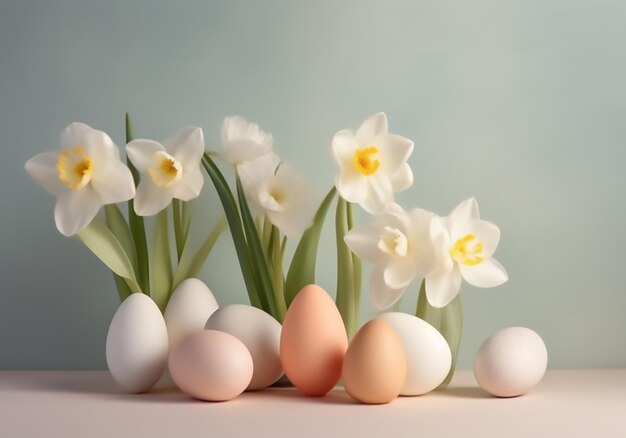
179	232
123	289
160	262
118	226
345	271
236	229
190	265
136	223
447	320
302	269
256	251
103	243
278	279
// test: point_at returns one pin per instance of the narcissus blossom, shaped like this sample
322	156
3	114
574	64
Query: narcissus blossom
84	175
398	243
244	141
278	191
169	170
463	245
372	164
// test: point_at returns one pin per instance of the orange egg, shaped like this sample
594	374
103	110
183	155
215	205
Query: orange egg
374	368
313	342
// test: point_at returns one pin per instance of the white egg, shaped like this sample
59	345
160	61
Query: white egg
511	362
260	333
188	309
137	344
427	353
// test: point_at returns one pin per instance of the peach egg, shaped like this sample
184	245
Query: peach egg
313	342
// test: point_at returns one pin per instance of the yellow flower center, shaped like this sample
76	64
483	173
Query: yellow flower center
74	167
166	170
466	252
365	160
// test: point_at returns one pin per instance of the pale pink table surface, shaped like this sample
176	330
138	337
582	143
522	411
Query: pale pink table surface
567	403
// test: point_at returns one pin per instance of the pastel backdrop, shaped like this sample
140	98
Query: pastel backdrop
521	104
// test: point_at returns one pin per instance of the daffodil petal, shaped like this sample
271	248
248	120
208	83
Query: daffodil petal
443	286
141	152
344	145
374	126
75	134
380	194
190	186
489	273
75	209
395	150
488	234
352	186
461	216
114	183
363	241
100	147
188	146
237	128
42	168
150	199
402	179
383	296
399	273
243	141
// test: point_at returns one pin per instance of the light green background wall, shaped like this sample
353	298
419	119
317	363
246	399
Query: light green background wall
519	103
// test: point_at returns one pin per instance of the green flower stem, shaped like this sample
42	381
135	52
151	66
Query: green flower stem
179	233
186	219
357	269
236	228
137	226
345	271
161	263
447	320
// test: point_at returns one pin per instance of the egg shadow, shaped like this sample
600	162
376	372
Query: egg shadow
464	392
334	397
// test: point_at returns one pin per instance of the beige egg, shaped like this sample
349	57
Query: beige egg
313	342
374	369
211	365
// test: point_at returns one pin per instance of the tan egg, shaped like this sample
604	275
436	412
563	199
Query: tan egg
374	369
313	342
211	365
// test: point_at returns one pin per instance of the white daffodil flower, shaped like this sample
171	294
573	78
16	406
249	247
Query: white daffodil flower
243	141
277	190
463	246
398	243
372	164
169	170
84	175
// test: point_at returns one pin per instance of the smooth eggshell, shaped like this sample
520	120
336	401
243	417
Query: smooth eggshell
428	354
260	333
211	365
313	342
374	368
511	362
188	309
137	344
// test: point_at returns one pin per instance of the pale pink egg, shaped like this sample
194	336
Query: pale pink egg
211	365
313	342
